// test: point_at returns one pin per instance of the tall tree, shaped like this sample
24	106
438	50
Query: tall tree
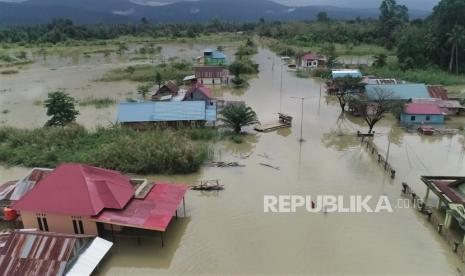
61	107
392	16
322	17
456	40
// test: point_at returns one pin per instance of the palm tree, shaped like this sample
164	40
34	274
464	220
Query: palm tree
238	116
380	60
456	39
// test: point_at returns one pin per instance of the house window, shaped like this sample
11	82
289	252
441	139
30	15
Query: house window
428	118
42	222
412	118
78	226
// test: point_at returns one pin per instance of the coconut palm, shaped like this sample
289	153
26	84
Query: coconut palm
456	39
238	116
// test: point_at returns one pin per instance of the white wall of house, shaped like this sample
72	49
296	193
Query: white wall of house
59	223
309	63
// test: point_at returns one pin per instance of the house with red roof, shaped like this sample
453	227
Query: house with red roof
199	92
312	60
81	199
422	113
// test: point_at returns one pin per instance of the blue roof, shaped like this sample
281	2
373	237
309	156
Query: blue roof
346	73
166	111
218	55
398	91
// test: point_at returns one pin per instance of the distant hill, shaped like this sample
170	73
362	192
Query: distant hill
112	11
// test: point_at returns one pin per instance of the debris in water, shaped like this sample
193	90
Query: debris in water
268	165
221	164
208	185
264	155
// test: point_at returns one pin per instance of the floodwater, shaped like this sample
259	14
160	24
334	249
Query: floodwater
227	232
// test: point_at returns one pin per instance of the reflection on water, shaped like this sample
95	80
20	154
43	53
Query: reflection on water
227	232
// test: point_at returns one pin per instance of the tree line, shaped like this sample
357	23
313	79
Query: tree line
438	40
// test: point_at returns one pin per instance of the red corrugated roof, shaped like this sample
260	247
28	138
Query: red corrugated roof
199	87
78	190
39	253
438	92
154	212
423	108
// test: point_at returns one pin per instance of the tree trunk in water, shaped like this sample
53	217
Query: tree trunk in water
451	60
371	128
237	129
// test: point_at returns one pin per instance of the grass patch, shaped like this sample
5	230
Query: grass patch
9	72
124	149
146	73
98	102
427	76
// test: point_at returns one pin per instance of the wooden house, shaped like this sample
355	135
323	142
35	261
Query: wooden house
166	92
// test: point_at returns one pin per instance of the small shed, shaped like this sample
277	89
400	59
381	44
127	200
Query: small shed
168	89
312	60
214	57
421	113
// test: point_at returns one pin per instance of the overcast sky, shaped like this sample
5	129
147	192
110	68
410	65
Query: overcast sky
412	4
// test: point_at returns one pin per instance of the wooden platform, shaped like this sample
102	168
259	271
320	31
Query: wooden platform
270	127
284	121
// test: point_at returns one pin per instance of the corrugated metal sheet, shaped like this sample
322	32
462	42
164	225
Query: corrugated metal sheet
438	92
164	111
154	212
398	91
346	73
90	258
39	253
22	186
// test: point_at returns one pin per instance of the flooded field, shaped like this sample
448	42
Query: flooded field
228	232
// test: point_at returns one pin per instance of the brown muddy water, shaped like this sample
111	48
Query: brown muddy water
228	232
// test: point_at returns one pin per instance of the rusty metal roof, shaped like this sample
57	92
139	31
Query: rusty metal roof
39	253
154	212
438	92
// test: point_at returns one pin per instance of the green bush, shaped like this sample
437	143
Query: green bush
124	149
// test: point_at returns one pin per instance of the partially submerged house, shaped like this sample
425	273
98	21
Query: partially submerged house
212	74
171	113
312	60
450	192
166	92
399	92
90	200
31	252
214	57
199	92
422	113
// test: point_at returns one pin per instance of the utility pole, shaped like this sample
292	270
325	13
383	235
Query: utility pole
302	99
281	91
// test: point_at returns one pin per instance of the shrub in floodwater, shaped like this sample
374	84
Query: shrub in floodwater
124	149
9	72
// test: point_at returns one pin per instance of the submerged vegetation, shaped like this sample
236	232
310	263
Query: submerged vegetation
117	148
148	73
97	102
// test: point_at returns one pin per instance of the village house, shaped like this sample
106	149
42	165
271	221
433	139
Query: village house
214	57
422	113
199	92
166	92
212	74
31	252
194	107
91	201
312	60
450	211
